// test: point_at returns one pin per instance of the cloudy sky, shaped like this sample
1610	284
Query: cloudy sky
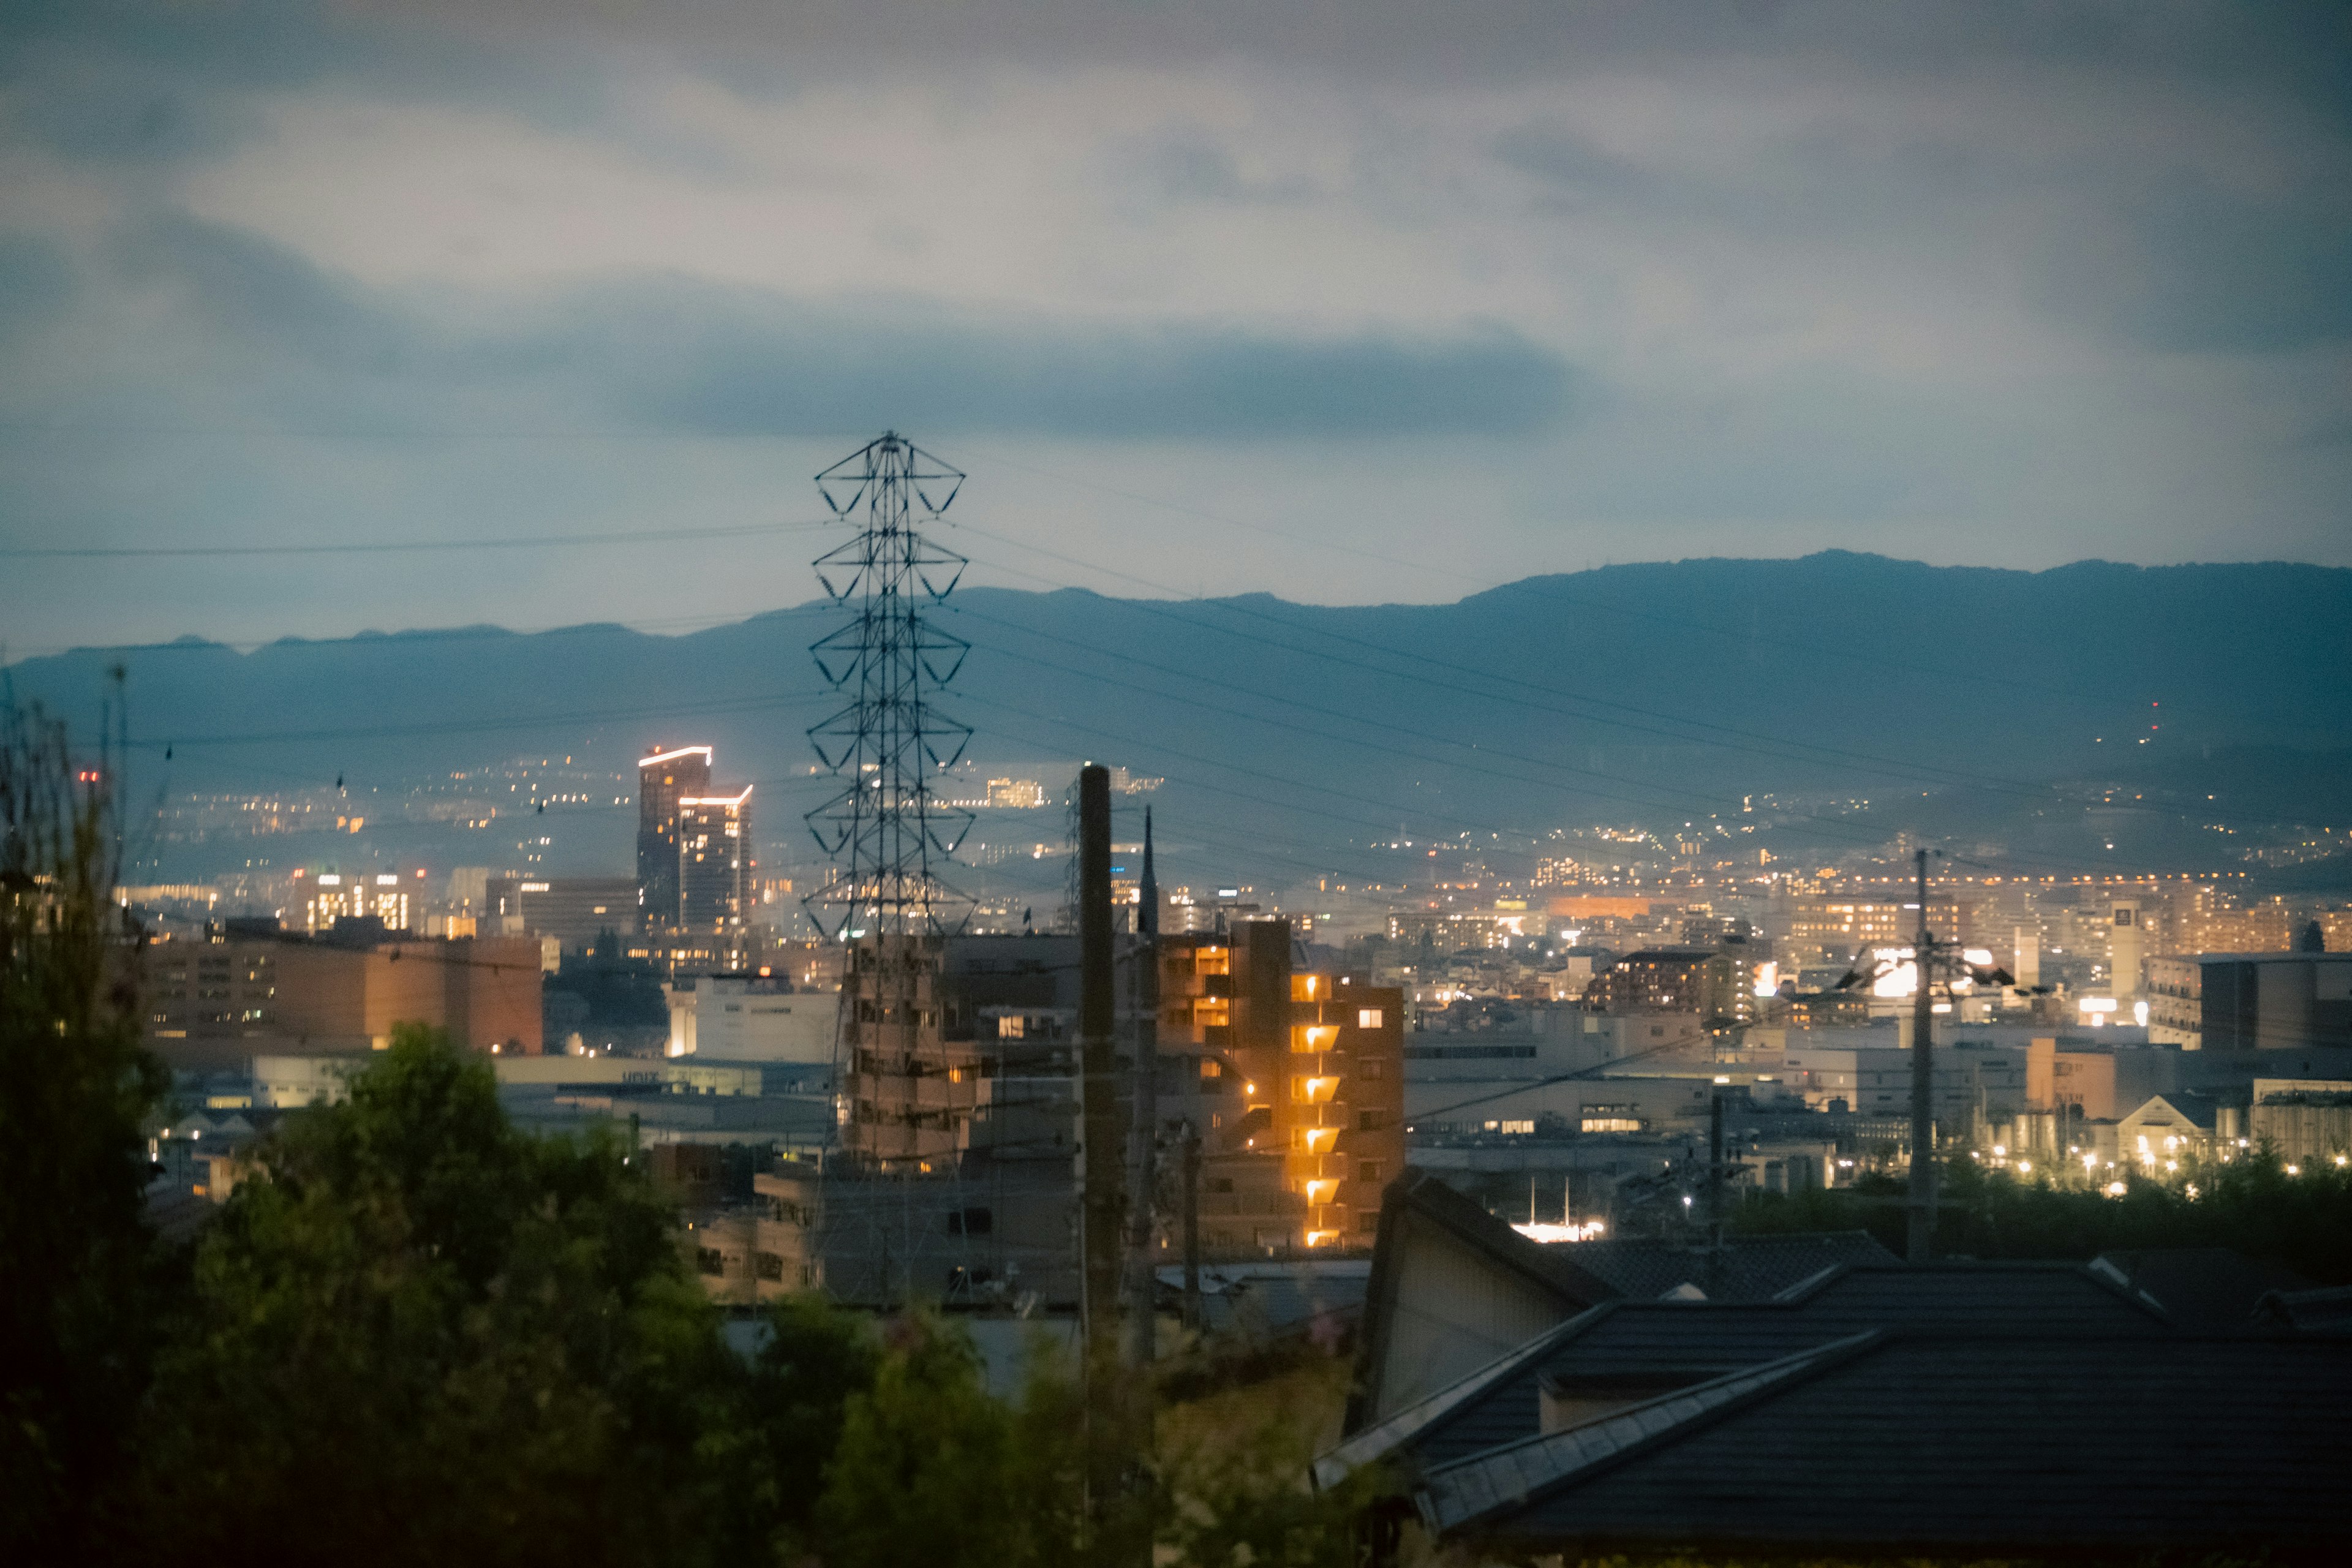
1383	301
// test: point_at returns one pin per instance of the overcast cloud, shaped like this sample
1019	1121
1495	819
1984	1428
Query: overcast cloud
1342	302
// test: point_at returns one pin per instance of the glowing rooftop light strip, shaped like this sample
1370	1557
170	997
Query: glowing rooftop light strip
716	799
671	756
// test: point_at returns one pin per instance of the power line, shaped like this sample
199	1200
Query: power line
388	547
1547	766
1916	772
1344	548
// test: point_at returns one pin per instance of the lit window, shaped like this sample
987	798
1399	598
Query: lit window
1367	1017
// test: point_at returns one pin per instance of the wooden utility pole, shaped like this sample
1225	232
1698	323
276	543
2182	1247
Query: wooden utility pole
1142	1282
1922	1236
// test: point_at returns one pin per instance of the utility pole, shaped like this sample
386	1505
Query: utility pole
1922	1086
1715	1269
1102	1201
1142	1280
1192	1227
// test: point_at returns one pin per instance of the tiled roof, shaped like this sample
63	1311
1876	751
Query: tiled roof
1501	1403
1747	1268
2203	1288
1463	1493
1923	1441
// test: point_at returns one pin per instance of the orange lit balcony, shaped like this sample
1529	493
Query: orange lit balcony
1315	1037
1319	1192
1309	987
1313	1090
1319	1140
1321	1238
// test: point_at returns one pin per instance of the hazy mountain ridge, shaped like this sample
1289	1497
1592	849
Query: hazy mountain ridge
1638	692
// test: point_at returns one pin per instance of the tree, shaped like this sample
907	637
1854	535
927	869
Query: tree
75	1086
2252	1203
1235	1467
931	1468
817	1357
424	1335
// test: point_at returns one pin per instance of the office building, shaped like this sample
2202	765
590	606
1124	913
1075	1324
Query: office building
714	867
1015	794
745	1019
664	777
332	896
2273	1001
574	910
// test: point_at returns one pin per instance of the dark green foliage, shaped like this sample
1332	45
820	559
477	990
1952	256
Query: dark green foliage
2250	1204
1235	1467
798	1386
425	1336
74	1089
932	1469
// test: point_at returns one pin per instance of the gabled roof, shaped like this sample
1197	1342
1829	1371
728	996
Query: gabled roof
1378	1442
1418	1196
2196	1109
1501	1403
1922	1442
1461	1495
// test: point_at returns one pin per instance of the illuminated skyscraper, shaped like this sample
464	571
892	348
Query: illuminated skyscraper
714	864
664	779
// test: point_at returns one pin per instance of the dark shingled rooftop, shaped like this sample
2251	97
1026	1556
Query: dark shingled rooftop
1695	1340
1981	1444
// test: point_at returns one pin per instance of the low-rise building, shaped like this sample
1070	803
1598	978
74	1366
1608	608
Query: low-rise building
2304	1120
740	1018
218	1001
2169	1131
574	910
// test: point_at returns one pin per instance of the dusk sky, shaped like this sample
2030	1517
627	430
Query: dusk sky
1346	303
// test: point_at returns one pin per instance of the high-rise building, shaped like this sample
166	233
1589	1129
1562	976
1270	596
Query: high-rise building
2124	951
664	777
715	864
1322	1063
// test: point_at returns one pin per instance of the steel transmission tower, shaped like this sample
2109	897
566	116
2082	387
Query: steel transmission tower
886	831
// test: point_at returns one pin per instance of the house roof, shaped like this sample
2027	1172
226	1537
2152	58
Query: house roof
1747	1268
1476	1487
1578	1274
2205	1289
1419	1195
1689	1342
1274	1296
1916	1440
2326	1311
